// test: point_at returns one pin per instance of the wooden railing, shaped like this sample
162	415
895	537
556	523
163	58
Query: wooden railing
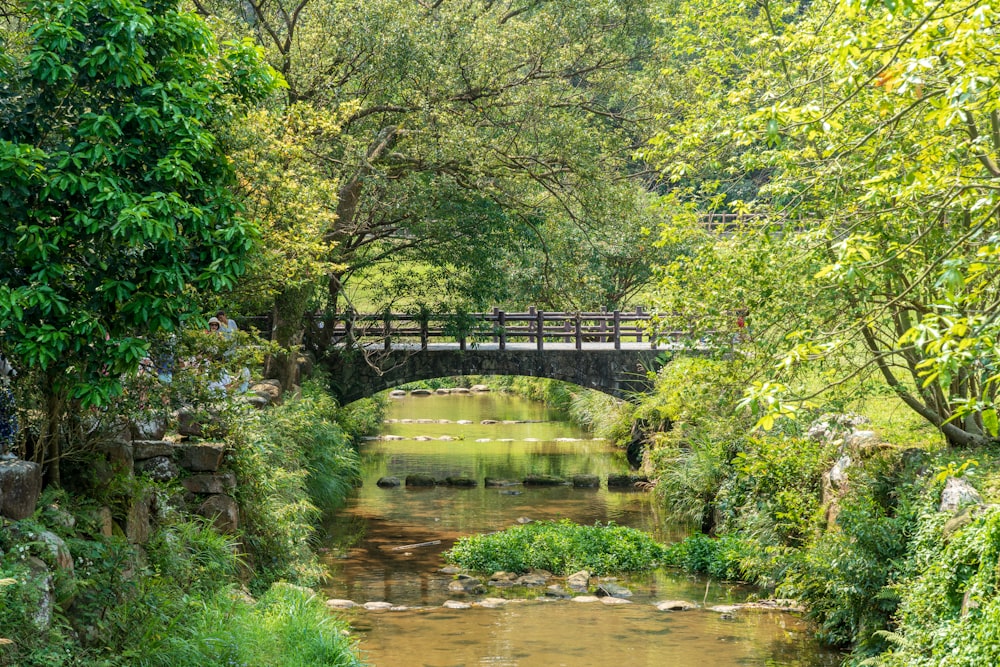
500	327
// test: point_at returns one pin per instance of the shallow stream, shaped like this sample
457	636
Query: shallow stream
386	546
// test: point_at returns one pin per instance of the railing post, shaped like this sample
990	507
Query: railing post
349	327
540	327
617	315
566	329
387	330
603	326
638	329
502	321
531	324
496	318
424	331
579	332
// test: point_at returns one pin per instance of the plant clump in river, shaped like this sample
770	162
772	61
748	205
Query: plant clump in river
561	547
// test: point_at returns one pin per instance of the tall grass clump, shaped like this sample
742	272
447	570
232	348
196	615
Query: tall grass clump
293	465
561	547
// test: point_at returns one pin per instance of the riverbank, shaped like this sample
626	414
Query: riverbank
876	527
80	586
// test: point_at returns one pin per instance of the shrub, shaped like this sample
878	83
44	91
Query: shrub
560	547
723	557
847	578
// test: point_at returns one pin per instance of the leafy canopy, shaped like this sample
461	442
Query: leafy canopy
114	190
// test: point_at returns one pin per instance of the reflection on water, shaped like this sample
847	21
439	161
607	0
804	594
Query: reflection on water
379	551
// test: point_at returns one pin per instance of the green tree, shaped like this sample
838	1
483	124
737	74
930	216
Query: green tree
469	128
877	127
114	191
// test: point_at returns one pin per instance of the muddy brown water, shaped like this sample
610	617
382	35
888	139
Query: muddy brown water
372	557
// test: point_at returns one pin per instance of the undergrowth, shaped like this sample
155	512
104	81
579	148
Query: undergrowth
560	547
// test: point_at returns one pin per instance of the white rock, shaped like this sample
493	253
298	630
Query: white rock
334	603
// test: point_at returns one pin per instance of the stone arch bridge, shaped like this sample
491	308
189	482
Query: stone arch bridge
613	352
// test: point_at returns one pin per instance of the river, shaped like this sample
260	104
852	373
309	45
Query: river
387	546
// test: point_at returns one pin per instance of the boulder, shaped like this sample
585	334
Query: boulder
557	591
256	401
387	482
479	388
455	604
675	605
492	603
42	618
578	581
831	426
397	393
582	481
420	392
377	606
119	454
335	603
466	584
614	601
59	552
148	429
838	473
502	579
626	481
958	493
862	443
613	590
460	390
223	512
64	584
137	526
270	390
20	484
147	449
442	391
158	469
543	480
202	457
533	579
586	598
306	365
495	483
420	479
105	521
461	481
209	484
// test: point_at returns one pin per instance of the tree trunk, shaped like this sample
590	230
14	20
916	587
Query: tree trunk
286	330
47	450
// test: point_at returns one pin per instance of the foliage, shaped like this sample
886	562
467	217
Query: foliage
469	137
115	190
775	487
948	604
872	125
560	547
722	557
848	578
293	463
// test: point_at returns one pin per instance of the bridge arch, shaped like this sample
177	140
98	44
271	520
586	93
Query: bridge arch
620	373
